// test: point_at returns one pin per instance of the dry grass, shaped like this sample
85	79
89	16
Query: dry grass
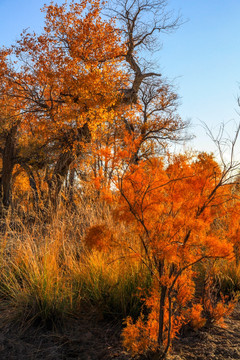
48	274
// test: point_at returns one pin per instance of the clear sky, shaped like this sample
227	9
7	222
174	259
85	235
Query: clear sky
202	57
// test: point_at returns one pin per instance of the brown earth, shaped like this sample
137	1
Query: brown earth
214	343
99	340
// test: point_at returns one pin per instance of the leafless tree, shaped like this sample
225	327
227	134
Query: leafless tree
140	22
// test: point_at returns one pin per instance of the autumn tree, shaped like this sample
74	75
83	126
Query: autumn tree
68	80
19	152
83	74
175	206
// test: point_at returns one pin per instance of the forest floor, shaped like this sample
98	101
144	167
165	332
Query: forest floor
100	340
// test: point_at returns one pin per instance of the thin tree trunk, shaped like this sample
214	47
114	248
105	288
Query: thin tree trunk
71	188
33	185
60	172
161	315
169	325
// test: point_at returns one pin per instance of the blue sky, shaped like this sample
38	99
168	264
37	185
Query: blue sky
202	58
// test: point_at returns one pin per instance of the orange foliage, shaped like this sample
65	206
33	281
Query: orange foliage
99	237
195	315
215	308
183	211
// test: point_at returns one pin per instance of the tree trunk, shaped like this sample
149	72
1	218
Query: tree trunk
60	172
63	163
33	185
8	162
161	315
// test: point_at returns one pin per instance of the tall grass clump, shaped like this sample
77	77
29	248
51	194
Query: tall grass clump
33	284
114	287
229	278
49	274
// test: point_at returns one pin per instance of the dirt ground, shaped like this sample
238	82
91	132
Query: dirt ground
90	340
215	343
